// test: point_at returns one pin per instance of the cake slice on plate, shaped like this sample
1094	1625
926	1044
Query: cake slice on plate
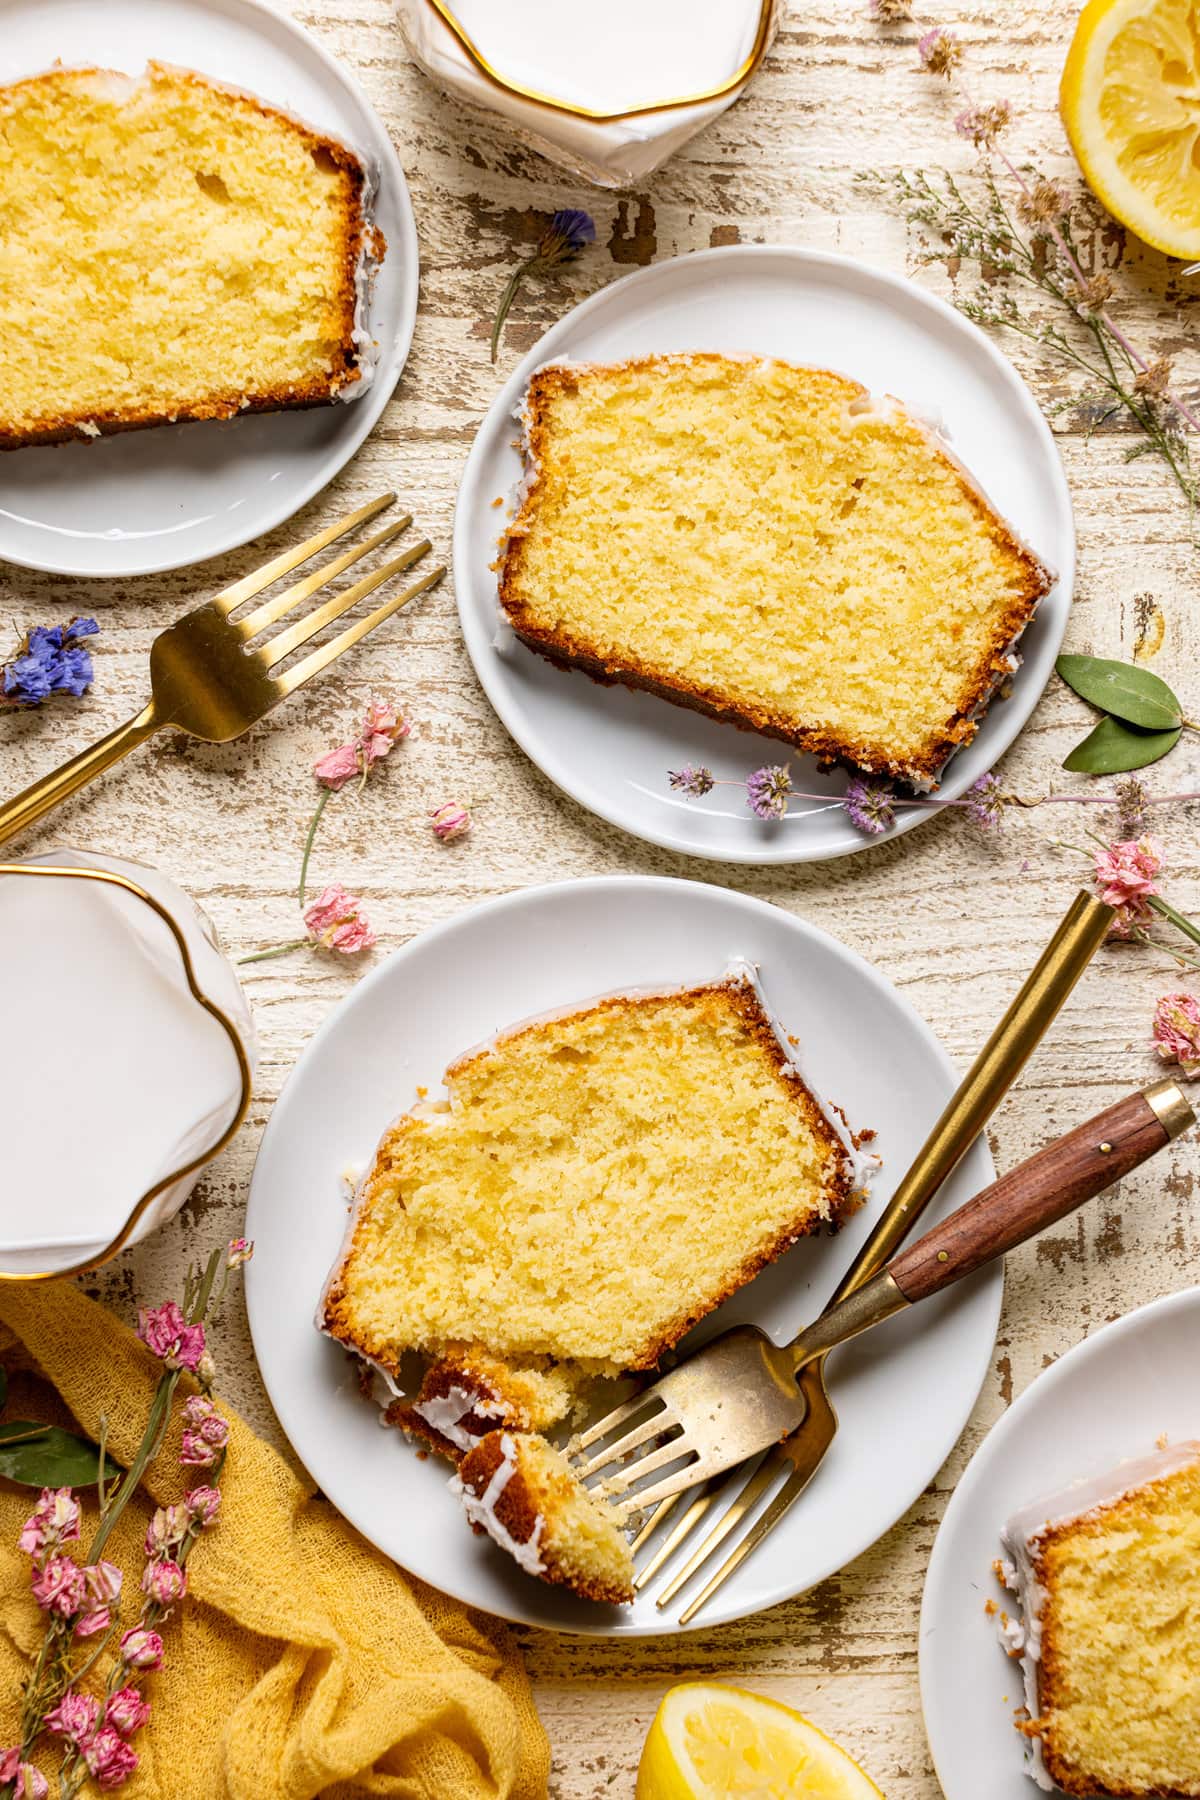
1107	1574
769	544
173	249
595	1183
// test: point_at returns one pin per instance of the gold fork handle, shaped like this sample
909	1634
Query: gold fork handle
37	800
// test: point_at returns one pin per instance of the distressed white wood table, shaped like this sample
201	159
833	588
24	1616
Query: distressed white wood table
952	918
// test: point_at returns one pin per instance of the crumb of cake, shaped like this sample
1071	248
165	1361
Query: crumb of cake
499	500
422	1091
990	1608
1161	1441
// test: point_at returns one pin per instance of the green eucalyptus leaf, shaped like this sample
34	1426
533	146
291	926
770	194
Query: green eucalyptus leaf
47	1456
1113	749
1123	689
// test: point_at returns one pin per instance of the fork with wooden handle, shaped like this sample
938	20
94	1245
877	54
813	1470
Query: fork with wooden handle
739	1394
211	674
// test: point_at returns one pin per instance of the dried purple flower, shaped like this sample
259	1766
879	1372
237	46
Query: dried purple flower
1092	294
767	791
983	124
940	51
870	804
50	660
1155	380
1131	808
693	780
985	802
569	231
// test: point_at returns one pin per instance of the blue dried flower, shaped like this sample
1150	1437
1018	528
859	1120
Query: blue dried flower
869	804
49	660
767	792
567	233
691	780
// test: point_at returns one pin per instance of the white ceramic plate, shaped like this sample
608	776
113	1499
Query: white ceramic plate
903	1396
145	501
1107	1399
611	748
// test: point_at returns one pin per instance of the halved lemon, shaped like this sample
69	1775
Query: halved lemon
1130	101
710	1742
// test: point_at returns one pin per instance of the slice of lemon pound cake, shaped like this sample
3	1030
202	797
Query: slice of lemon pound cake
768	544
525	1495
172	249
596	1182
1108	1577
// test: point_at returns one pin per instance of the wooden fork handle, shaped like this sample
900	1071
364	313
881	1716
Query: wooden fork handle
36	801
1042	1190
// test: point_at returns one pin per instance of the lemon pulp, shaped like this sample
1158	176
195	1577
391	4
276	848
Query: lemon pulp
1131	104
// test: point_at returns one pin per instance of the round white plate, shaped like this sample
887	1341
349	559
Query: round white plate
611	748
145	501
1108	1399
903	1395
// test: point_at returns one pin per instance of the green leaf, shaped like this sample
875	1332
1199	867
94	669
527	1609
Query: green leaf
1123	689
1113	749
51	1458
3	1389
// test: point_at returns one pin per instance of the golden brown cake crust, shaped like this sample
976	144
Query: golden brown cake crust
517	1509
566	649
359	236
1052	1680
336	1317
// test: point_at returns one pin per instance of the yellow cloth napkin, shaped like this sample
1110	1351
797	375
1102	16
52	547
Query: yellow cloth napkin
302	1662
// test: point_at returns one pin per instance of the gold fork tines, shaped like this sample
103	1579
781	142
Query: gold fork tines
214	676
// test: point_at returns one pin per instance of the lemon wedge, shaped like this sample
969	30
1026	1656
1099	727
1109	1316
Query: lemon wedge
710	1742
1130	101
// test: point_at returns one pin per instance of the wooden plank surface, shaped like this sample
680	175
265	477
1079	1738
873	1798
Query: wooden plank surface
953	919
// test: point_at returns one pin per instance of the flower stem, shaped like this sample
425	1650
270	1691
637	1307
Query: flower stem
506	299
322	802
148	1449
279	950
1180	920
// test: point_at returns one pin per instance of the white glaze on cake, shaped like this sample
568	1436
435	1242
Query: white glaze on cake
481	1510
444	1413
1018	1568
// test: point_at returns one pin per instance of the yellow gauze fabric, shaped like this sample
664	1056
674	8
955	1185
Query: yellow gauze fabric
302	1662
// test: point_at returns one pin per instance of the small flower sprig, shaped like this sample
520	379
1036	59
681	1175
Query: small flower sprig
871	802
50	659
1031	243
82	1604
569	231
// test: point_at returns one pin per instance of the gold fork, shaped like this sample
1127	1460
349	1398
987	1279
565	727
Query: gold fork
1022	1028
208	676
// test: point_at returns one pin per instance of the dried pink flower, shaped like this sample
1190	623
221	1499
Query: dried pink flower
58	1586
337	767
1177	1031
891	12
1125	880
54	1521
940	51
983	124
165	1331
336	921
383	727
142	1648
109	1757
202	1444
75	1716
164	1581
197	1408
1154	381
10	1762
89	1623
450	821
166	1529
203	1505
30	1784
1092	294
126	1711
103	1582
240	1251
